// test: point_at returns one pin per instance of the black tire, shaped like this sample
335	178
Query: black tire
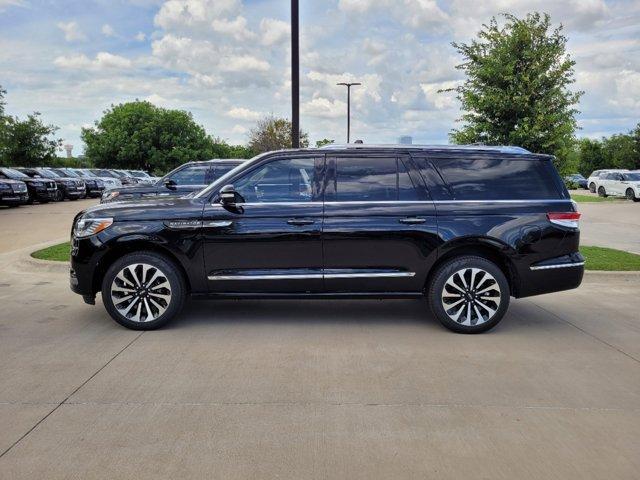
592	187
29	199
602	192
59	196
177	291
497	286
631	195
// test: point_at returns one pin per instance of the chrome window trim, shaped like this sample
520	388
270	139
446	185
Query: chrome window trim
556	265
313	276
404	202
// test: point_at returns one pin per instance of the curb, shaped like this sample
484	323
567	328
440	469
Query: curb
604	275
30	263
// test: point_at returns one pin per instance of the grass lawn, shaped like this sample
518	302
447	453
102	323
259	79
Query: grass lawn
57	253
592	198
597	258
600	258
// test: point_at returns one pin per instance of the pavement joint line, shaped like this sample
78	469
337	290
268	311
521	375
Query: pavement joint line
69	396
334	404
595	337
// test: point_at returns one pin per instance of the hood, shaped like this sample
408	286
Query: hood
10	181
162	208
138	189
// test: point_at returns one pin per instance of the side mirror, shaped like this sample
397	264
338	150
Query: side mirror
170	184
228	195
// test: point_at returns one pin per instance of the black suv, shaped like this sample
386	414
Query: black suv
468	227
68	187
187	178
39	189
13	192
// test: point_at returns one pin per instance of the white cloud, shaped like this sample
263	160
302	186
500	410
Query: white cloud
140	37
107	30
102	61
324	108
236	28
241	113
239	130
10	3
243	63
72	31
193	14
274	32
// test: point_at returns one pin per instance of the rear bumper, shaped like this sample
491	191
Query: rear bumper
552	275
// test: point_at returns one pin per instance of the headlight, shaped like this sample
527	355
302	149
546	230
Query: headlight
110	195
85	227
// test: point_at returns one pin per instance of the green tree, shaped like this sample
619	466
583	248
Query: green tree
272	133
323	142
29	142
139	135
3	122
620	151
592	156
517	86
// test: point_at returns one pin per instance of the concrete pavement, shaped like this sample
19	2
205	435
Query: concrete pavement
611	224
316	389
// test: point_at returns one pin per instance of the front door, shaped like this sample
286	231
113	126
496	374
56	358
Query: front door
189	179
380	227
269	242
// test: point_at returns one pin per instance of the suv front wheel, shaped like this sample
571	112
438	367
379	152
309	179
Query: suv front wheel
143	291
469	294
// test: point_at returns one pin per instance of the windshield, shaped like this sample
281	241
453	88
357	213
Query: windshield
11	173
70	173
50	172
104	173
85	174
139	174
633	177
221	181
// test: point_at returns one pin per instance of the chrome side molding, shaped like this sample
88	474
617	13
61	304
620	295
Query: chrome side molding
313	276
557	265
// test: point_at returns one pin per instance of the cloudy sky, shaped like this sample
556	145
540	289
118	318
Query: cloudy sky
227	61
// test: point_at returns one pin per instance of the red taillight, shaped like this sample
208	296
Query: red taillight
565	219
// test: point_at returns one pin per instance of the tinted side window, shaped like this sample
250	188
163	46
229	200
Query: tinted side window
195	175
485	178
373	179
289	180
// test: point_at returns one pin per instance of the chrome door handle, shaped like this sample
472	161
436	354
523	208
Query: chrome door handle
217	224
300	221
412	220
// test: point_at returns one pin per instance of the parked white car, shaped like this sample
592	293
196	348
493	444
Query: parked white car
620	184
593	182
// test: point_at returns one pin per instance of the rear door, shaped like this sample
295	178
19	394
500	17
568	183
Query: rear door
380	229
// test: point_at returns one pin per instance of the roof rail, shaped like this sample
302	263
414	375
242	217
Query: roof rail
491	148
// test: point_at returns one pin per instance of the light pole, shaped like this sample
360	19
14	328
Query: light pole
349	85
295	76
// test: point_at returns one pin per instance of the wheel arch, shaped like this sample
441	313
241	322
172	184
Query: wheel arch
489	248
135	245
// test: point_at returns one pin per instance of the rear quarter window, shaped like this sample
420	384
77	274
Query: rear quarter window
488	178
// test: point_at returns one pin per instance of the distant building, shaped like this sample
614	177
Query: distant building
69	149
405	140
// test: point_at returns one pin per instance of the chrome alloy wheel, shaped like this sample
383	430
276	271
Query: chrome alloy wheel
471	296
141	292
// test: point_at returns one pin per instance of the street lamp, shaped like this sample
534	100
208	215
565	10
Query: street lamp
295	76
349	85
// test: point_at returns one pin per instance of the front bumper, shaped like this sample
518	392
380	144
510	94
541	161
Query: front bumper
13	198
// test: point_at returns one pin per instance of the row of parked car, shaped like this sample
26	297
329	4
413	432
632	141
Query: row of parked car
611	182
21	185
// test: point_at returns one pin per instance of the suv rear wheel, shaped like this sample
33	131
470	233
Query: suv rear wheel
469	294
631	195
143	291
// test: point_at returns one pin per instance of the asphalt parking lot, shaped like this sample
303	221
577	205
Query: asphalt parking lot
332	389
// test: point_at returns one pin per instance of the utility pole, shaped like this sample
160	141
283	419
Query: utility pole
349	85
295	75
